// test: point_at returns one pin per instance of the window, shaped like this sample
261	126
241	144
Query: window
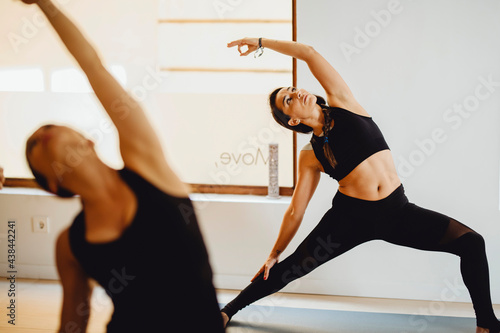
208	105
218	100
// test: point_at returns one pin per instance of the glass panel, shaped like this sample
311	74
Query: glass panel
69	80
221	139
204	45
223	83
21	79
73	80
225	9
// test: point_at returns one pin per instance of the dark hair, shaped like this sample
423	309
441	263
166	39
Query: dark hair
44	184
282	119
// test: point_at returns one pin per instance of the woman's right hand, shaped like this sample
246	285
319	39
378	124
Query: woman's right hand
251	43
270	262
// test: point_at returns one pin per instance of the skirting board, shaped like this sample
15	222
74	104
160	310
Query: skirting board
449	291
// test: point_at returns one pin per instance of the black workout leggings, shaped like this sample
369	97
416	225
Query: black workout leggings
351	222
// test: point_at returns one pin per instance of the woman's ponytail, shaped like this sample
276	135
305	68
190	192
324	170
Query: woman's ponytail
327	150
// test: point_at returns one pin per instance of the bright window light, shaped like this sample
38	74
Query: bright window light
69	80
120	74
25	79
72	80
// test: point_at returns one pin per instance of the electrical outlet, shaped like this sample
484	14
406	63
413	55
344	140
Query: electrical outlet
41	224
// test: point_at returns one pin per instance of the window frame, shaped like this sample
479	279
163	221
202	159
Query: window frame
210	188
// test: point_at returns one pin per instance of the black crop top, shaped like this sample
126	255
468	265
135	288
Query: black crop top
157	273
353	139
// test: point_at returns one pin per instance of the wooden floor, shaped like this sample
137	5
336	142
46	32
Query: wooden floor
38	304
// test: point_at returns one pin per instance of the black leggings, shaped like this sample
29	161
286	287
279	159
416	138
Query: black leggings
351	222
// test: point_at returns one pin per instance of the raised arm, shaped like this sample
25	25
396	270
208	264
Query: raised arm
337	91
125	113
139	146
307	182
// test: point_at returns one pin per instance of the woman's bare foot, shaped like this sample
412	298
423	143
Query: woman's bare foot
225	319
478	330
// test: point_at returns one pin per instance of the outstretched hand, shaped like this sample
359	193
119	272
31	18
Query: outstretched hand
251	43
270	262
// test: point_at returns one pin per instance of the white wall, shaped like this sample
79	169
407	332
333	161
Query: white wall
35	252
411	71
239	232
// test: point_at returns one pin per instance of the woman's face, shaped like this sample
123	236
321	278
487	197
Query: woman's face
297	104
55	151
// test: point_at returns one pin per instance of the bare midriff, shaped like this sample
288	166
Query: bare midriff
373	179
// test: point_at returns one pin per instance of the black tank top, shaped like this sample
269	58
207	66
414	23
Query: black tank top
157	273
353	139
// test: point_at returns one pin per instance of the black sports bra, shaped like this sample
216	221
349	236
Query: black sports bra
353	139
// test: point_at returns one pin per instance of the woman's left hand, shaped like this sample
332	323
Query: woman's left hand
251	43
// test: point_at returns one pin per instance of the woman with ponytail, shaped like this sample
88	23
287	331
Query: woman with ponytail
370	202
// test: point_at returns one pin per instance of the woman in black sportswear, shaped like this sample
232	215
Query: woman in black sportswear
137	234
370	202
